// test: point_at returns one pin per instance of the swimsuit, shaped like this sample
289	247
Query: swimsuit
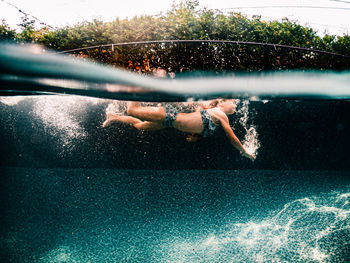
170	116
209	126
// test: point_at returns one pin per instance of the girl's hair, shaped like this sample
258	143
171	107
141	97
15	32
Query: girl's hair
213	104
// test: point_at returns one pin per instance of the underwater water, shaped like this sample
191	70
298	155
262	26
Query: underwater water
109	215
72	191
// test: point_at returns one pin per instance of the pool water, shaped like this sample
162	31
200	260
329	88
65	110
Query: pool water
109	215
72	191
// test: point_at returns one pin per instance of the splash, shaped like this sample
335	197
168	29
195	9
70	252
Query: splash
250	142
305	230
118	107
11	101
59	115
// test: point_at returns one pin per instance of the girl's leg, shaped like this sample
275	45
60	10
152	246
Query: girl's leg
153	114
111	117
138	124
149	126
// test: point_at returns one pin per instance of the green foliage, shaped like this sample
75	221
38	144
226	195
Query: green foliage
6	33
28	34
187	21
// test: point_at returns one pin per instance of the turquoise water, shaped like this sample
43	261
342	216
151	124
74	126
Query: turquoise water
72	191
99	215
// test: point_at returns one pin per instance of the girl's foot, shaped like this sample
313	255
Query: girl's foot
110	118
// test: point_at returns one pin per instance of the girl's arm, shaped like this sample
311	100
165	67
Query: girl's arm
233	138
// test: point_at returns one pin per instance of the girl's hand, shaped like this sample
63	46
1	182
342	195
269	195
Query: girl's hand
192	137
247	155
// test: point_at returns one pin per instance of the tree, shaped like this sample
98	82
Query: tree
6	33
186	21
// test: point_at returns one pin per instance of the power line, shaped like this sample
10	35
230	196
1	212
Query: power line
341	1
296	20
27	14
289	6
207	41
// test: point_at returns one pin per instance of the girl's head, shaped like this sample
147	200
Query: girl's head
227	105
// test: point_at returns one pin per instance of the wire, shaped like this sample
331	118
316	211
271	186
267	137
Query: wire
291	19
339	1
291	6
207	41
27	14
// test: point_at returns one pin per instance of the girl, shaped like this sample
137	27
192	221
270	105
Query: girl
201	123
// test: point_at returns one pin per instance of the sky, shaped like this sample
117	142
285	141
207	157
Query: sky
332	18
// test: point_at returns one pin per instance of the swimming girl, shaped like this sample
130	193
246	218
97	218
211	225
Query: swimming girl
201	123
